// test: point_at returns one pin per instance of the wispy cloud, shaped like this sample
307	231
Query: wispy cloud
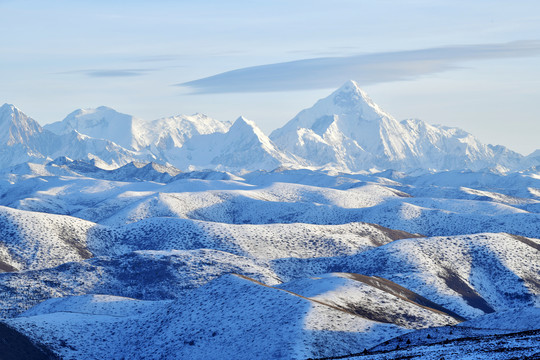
115	73
329	72
157	58
110	72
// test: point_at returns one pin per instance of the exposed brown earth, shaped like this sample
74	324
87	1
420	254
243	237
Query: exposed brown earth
403	293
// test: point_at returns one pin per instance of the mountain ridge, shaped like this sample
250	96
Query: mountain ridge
346	131
349	130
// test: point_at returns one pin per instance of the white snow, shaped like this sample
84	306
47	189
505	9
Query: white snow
345	230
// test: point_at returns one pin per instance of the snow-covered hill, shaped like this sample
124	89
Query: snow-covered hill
412	204
470	275
34	240
209	323
503	335
206	312
145	275
39	240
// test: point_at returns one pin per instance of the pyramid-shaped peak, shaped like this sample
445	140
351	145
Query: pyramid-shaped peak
349	104
351	96
6	112
244	124
15	126
7	106
9	111
244	121
350	85
247	130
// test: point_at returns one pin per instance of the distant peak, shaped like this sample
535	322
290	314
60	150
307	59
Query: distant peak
90	111
17	127
247	128
10	108
198	115
103	108
99	109
349	98
6	106
11	112
350	85
242	121
350	94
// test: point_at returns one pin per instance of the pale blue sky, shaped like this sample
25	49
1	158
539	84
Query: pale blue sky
471	64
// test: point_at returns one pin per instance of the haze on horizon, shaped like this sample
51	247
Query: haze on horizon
470	65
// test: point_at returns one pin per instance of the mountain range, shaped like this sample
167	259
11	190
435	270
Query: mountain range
346	131
343	234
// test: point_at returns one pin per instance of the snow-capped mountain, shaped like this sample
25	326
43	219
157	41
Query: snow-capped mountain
346	131
243	146
171	132
79	146
23	139
102	123
16	127
349	131
272	248
135	134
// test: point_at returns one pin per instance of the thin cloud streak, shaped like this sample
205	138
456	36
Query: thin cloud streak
329	72
110	72
114	73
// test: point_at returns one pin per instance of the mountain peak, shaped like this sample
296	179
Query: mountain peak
352	92
7	106
350	104
94	112
15	126
243	122
9	112
101	123
105	108
245	129
350	85
350	99
348	129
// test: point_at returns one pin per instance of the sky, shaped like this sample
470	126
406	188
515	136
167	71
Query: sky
469	64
